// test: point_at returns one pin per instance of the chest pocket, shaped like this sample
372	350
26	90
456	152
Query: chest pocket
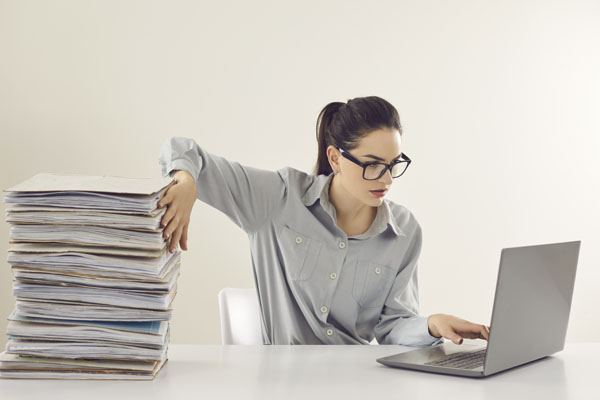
372	283
300	253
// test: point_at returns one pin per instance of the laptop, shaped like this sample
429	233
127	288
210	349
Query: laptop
529	318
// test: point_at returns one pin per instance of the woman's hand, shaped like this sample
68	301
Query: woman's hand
456	329
179	199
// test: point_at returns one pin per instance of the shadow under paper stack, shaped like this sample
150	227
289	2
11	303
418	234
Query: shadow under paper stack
93	278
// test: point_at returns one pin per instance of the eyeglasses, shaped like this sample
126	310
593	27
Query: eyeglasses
375	170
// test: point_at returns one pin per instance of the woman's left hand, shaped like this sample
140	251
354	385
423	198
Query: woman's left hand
456	329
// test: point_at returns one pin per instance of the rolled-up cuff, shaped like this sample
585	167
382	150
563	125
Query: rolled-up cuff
180	164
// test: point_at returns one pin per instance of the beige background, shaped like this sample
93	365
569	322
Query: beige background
499	103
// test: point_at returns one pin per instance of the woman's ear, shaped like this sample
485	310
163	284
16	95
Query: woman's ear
333	157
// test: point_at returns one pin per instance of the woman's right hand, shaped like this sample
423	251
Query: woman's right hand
179	199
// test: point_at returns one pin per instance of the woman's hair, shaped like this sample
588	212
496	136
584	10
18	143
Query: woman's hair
344	124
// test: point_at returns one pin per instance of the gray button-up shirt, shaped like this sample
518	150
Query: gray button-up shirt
315	284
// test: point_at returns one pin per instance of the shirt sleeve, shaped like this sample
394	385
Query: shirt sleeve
400	322
248	196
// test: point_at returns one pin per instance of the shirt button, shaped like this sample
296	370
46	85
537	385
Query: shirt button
298	240
329	332
342	245
324	309
377	270
332	275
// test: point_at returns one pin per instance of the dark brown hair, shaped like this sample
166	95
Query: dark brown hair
344	124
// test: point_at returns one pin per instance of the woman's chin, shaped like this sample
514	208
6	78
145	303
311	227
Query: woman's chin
375	201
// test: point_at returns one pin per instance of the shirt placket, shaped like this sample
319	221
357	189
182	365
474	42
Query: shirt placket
332	284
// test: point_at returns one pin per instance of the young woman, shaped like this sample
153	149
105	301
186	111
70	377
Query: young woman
334	261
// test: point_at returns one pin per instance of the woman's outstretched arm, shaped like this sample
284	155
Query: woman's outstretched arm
248	196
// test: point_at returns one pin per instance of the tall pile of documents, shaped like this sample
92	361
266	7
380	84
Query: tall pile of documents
93	278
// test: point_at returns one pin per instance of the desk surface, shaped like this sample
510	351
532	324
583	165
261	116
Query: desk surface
323	372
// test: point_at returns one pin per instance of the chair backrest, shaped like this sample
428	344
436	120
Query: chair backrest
240	316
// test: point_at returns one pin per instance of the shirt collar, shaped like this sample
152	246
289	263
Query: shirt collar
319	190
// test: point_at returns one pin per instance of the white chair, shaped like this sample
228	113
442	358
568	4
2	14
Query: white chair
240	316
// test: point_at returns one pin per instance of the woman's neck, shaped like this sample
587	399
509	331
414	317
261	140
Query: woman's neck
350	212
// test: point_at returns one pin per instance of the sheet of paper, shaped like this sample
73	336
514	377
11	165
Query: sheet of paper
158	328
82	350
88	236
15	360
84	311
63	248
51	182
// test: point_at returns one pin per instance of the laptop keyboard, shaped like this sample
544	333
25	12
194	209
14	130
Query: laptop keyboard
462	360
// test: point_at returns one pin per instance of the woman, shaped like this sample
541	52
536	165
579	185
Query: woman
334	261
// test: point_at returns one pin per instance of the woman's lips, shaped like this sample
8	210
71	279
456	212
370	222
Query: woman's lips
379	193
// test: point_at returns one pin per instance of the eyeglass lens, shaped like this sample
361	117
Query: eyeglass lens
374	171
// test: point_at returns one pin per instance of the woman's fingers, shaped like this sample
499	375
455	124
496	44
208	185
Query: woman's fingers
477	332
481	334
172	226
471	331
456	329
171	211
175	240
168	219
179	200
166	222
456	339
166	199
184	237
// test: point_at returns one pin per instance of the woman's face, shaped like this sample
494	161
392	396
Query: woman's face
381	145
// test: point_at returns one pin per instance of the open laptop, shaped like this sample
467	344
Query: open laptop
529	319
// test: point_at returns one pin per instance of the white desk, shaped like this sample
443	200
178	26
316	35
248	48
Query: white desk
323	372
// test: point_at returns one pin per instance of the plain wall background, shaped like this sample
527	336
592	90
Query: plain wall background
499	101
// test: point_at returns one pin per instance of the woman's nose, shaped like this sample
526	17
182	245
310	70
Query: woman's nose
387	177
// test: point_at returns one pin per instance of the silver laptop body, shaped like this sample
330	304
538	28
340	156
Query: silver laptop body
529	319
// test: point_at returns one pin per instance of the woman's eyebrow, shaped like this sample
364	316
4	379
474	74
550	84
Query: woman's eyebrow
379	158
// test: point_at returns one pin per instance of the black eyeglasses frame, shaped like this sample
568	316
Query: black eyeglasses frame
405	159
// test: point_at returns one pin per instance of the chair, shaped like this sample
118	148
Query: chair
240	316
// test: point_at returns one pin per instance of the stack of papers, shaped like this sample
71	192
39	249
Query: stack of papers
93	279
